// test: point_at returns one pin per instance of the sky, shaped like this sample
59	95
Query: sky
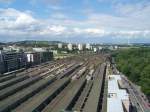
78	21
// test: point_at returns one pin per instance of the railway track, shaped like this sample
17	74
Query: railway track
69	94
93	102
21	96
37	102
55	86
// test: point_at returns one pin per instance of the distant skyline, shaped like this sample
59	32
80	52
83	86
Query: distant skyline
92	21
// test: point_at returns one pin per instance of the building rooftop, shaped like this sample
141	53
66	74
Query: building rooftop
116	95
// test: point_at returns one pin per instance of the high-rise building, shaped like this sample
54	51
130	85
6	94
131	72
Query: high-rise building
95	49
100	48
80	47
60	45
70	46
115	47
87	46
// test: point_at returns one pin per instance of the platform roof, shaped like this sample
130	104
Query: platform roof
115	95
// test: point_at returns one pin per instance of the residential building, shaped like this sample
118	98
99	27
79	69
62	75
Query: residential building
60	45
80	47
95	49
88	46
70	47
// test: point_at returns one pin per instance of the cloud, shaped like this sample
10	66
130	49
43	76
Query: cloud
52	1
107	0
6	1
89	31
139	8
129	18
46	2
12	19
55	7
59	16
53	30
98	32
15	23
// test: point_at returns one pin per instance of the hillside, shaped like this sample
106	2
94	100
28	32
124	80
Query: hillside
33	43
2	43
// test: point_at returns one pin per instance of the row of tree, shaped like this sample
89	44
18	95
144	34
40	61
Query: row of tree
135	63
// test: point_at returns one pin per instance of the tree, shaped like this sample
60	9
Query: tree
135	64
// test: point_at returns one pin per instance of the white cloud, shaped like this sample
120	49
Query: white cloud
132	34
55	7
6	1
139	20
53	30
12	19
89	31
52	1
99	32
23	24
59	16
139	9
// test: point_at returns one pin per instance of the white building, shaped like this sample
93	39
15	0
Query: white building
70	46
110	47
88	46
95	49
116	47
80	47
100	48
37	49
33	58
118	99
10	48
60	45
55	52
30	58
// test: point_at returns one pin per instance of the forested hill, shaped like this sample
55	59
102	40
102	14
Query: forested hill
135	63
33	43
2	43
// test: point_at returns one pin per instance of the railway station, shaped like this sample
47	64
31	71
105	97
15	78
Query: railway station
69	84
81	83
